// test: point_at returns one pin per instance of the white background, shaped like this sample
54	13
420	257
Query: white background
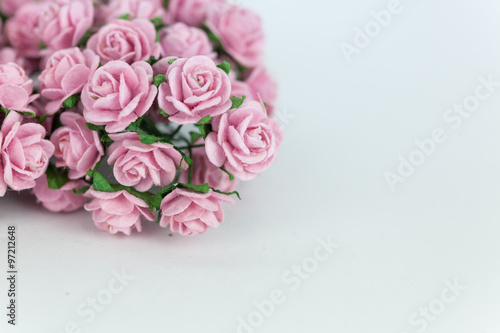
351	123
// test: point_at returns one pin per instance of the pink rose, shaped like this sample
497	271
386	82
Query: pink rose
145	9
76	147
64	23
264	88
117	211
24	154
22	29
10	7
259	86
240	32
62	200
245	140
129	41
66	73
205	172
191	12
183	41
195	88
8	54
16	88
118	94
140	165
191	213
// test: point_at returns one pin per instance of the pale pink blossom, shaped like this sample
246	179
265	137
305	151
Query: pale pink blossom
22	29
63	23
244	141
145	9
61	200
240	32
16	88
140	165
118	94
24	153
205	172
129	41
66	73
191	12
191	213
76	147
195	88
184	41
117	211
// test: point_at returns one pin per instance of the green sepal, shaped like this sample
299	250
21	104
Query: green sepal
237	102
225	66
95	128
85	38
56	177
159	79
82	190
231	177
227	193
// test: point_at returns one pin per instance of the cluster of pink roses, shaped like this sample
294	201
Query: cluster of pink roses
134	109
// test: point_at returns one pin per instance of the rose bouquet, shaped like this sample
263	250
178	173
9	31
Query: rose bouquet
134	109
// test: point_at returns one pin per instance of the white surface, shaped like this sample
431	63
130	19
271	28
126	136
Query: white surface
352	123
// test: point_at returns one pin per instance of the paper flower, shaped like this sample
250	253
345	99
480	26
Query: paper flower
183	41
117	211
24	154
191	213
118	94
66	73
61	200
141	165
244	141
76	147
128	41
195	88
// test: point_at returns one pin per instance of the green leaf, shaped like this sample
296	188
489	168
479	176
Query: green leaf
211	36
205	129
195	136
152	60
105	138
237	101
204	120
93	127
149	139
225	66
205	188
159	79
81	190
157	20
158	197
164	114
124	17
166	3
231	177
227	193
146	196
42	46
171	61
91	172
42	118
6	111
72	101
27	113
135	125
85	38
101	184
56	177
